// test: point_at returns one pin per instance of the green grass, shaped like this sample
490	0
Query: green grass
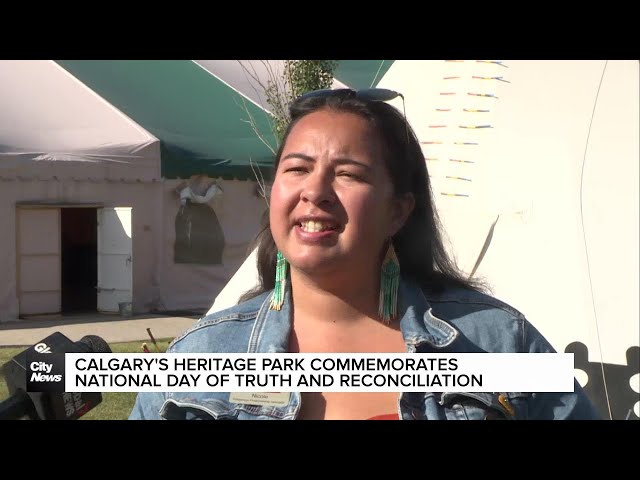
114	405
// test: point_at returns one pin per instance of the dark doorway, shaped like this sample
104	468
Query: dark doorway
79	259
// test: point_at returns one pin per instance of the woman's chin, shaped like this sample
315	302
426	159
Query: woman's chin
311	266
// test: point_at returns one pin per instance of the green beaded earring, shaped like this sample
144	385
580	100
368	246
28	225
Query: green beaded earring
281	282
389	283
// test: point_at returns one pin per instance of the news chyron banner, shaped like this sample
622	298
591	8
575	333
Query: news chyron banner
302	372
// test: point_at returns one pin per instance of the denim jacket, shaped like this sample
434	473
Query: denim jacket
454	321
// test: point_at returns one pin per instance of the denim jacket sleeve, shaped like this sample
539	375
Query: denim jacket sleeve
551	405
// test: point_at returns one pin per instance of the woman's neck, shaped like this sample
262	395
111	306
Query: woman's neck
328	298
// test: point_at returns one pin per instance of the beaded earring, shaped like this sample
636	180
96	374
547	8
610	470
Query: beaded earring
389	283
281	282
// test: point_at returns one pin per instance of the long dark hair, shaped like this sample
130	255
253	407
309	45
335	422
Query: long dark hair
418	244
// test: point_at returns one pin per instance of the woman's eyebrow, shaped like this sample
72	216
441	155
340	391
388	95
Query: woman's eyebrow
338	161
350	161
301	156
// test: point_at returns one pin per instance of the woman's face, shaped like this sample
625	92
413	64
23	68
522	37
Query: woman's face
332	203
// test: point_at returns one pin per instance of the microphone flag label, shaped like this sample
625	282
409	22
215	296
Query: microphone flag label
45	372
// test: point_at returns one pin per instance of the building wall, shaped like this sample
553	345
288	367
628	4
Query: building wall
144	198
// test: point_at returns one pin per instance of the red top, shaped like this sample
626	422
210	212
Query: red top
386	416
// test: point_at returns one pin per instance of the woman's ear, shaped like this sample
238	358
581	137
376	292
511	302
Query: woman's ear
403	205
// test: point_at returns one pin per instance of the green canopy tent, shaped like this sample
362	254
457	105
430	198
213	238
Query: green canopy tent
200	110
200	121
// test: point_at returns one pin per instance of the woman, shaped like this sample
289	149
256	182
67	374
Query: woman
351	260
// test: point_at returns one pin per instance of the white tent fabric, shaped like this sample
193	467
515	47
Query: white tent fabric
558	168
50	121
247	76
244	279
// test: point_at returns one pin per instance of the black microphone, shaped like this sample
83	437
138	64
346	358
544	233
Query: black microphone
48	405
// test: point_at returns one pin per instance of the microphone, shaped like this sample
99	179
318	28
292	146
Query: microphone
48	405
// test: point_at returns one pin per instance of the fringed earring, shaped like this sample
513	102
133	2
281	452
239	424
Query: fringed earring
389	283
281	282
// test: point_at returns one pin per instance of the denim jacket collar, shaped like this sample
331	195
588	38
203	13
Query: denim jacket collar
271	329
418	324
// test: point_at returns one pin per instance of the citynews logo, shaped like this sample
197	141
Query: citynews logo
45	370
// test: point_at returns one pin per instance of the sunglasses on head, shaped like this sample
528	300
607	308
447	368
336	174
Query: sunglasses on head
372	94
